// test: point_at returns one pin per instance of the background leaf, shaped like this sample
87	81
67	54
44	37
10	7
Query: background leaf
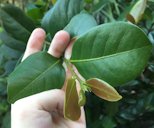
39	72
60	15
80	24
99	4
112	52
34	12
16	23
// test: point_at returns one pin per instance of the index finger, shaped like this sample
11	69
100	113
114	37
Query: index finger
35	42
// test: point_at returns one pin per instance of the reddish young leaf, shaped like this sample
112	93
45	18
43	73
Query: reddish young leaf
103	90
72	109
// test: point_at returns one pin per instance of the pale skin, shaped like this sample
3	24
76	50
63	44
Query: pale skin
45	110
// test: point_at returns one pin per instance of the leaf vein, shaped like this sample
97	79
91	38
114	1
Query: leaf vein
35	79
107	56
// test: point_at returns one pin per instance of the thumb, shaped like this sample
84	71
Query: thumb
49	101
68	51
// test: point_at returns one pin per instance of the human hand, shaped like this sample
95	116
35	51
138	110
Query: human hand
45	110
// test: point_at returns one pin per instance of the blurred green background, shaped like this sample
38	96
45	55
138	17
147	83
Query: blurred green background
135	110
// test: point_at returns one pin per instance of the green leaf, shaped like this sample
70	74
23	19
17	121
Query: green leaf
114	52
80	24
125	11
60	15
103	90
71	108
39	72
16	23
34	12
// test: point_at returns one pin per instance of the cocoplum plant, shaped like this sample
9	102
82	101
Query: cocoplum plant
107	56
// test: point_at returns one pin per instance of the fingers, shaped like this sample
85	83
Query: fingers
35	42
59	43
51	101
68	51
48	101
82	118
57	47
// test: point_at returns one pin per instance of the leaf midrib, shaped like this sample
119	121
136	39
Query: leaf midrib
69	94
107	56
36	79
106	92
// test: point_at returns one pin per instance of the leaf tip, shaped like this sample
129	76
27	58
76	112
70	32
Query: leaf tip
119	97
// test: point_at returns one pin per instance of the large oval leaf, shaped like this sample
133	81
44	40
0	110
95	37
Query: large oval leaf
39	72
80	24
113	52
60	15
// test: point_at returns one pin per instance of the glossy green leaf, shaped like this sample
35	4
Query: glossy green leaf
80	24
16	23
138	10
60	15
39	72
114	52
71	108
103	90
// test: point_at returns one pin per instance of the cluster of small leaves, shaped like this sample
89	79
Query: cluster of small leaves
137	105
